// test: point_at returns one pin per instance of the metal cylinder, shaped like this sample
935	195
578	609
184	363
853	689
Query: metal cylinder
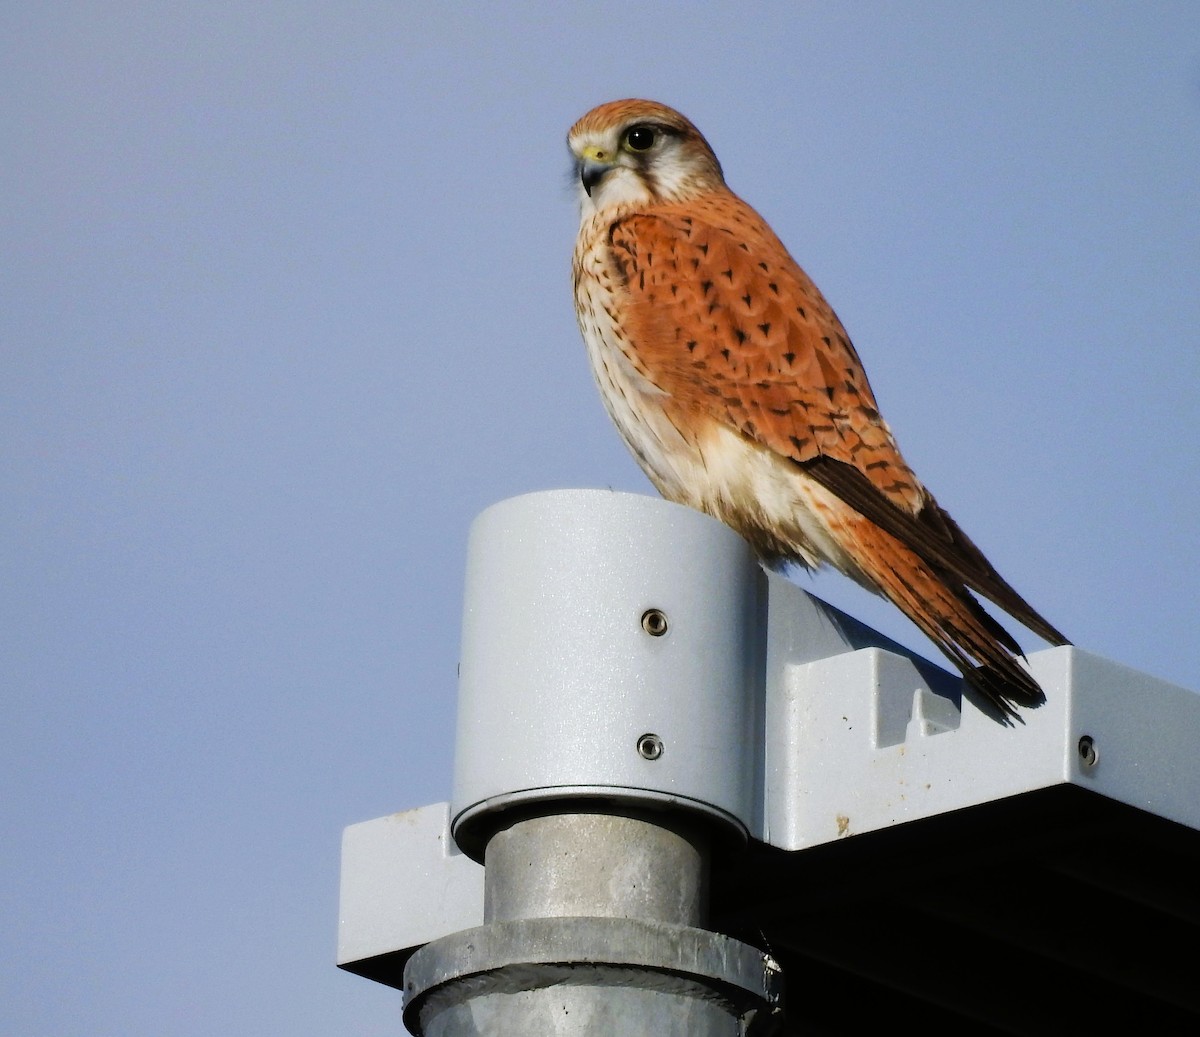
612	648
609	696
598	865
592	929
589	977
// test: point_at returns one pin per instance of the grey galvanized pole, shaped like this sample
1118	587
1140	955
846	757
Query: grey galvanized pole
609	718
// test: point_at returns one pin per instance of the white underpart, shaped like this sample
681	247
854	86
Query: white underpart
733	470
633	402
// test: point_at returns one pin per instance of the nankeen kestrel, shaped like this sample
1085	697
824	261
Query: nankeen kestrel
736	387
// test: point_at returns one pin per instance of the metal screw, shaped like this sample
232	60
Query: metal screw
1087	751
654	622
650	747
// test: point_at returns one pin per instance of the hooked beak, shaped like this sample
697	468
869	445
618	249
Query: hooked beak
591	173
592	167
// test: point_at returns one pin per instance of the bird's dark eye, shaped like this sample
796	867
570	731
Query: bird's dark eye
640	138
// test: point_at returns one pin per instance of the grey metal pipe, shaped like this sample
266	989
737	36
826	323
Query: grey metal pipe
589	977
600	865
592	931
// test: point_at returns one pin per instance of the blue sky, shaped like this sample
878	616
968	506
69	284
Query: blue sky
284	303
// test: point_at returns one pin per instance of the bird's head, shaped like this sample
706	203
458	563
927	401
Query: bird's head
635	152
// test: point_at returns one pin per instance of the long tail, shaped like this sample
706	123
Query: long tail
940	604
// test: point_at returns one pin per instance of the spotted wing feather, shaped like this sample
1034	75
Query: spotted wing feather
731	328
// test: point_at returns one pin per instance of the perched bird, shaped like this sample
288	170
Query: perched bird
736	387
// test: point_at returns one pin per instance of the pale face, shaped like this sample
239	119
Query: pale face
637	153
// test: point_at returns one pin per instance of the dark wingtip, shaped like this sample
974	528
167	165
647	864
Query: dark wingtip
1007	689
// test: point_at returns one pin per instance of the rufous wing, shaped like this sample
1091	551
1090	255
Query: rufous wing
732	329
